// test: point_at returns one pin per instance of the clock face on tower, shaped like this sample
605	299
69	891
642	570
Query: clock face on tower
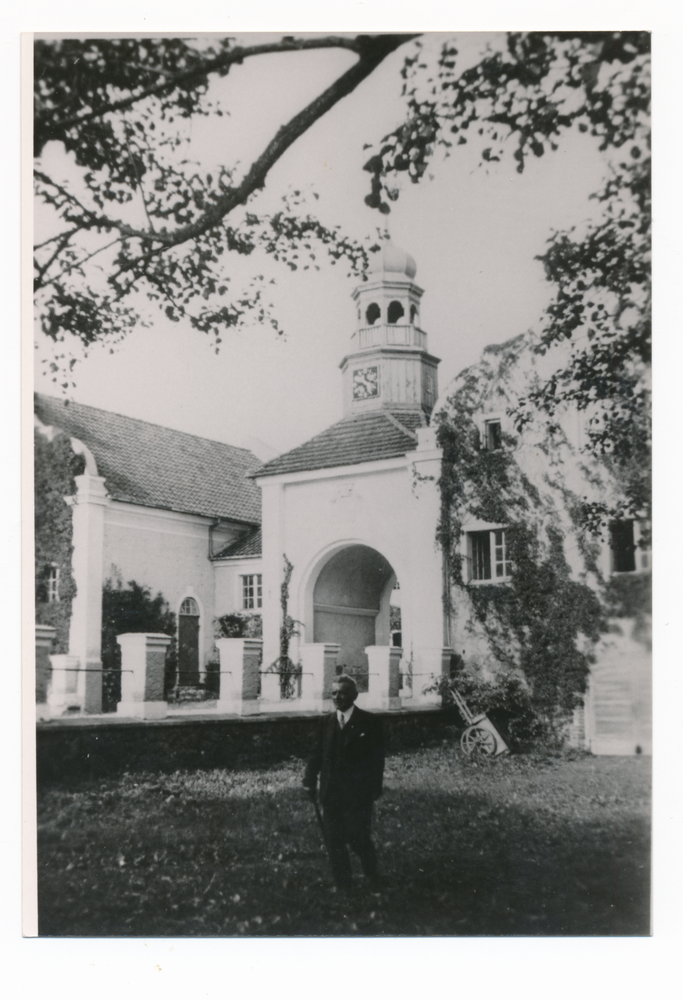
365	383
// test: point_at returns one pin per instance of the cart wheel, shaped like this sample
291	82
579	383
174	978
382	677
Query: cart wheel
478	742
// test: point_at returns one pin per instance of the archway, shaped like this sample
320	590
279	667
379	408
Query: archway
351	601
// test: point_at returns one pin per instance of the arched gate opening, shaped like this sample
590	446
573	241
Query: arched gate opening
351	602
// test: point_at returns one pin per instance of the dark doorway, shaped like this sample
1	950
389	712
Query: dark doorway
188	643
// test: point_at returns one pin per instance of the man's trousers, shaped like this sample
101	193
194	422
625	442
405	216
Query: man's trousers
349	823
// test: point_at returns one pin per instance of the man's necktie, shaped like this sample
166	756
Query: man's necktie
341	721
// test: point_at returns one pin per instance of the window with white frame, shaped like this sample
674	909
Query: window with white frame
251	591
487	555
629	552
52	584
47	584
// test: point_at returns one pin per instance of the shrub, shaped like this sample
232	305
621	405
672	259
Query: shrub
131	609
505	700
238	626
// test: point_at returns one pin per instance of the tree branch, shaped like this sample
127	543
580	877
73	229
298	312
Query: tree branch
221	62
372	51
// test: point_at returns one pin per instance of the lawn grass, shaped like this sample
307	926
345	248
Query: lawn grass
518	846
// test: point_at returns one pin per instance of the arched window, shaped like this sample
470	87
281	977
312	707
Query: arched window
413	313
395	312
372	313
189	607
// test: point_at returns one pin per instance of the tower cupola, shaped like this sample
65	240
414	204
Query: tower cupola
388	366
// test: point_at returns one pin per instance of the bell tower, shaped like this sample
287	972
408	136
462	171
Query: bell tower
389	367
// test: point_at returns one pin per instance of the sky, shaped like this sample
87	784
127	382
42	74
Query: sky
474	233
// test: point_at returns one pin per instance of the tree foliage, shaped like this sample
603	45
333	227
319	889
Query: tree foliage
131	609
520	101
121	108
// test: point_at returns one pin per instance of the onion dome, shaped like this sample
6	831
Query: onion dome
393	261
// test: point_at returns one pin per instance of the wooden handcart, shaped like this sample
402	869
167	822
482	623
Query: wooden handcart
481	738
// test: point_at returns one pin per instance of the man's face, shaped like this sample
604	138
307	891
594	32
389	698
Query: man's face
343	696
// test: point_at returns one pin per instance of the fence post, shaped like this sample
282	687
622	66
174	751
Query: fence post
44	638
143	668
319	669
240	661
63	689
384	677
270	687
430	665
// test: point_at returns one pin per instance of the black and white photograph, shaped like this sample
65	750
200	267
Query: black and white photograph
342	484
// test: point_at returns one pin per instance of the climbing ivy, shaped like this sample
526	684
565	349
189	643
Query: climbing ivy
543	620
289	671
55	466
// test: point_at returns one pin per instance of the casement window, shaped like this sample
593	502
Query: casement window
487	555
47	585
251	591
628	553
52	584
493	435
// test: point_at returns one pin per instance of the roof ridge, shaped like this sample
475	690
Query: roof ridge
397	423
160	467
354	439
139	420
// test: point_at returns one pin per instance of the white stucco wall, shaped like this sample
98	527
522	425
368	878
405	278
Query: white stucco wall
228	577
310	516
167	552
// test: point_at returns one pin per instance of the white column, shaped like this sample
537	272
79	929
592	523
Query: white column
270	688
240	664
62	692
273	500
319	668
383	667
85	629
143	668
425	636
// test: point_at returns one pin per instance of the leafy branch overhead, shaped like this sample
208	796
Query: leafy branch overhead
522	100
117	106
137	218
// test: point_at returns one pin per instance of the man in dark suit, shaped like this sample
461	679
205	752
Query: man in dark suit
348	754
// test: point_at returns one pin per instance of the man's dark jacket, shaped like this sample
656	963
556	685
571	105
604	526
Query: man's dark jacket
350	761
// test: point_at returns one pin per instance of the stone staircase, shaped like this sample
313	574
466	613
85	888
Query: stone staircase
190	694
619	702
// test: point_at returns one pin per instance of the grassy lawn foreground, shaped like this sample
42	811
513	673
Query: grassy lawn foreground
517	846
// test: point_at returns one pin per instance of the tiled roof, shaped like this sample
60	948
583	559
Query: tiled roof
367	437
247	545
155	466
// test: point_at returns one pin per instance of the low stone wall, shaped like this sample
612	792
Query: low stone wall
70	751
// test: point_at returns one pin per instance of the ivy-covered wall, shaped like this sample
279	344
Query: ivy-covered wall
55	466
544	620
